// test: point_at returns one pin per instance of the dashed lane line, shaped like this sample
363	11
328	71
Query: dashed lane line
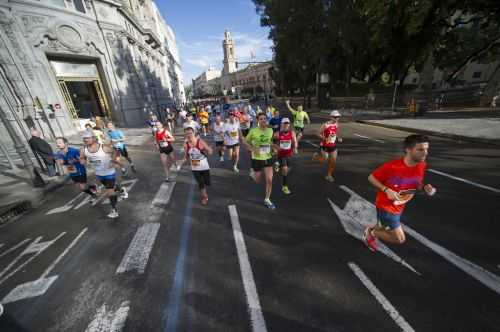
388	307
369	138
256	316
482	186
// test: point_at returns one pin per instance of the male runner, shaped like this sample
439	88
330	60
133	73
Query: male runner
117	139
259	141
191	123
102	157
299	116
329	134
245	122
196	150
397	182
286	141
232	134
164	140
69	158
218	130
275	121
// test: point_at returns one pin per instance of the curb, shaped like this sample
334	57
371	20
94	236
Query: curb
434	133
17	209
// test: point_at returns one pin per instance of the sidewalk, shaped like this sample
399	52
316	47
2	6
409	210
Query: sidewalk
481	126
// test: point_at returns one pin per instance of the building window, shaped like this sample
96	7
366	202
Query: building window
79	5
477	74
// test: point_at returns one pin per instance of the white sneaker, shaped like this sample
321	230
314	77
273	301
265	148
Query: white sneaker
93	199
113	214
221	159
123	193
329	178
235	169
252	174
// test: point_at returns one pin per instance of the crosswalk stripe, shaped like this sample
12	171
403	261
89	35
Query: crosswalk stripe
137	255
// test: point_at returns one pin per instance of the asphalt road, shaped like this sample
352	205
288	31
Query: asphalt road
185	267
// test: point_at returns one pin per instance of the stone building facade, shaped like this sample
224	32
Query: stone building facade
252	80
64	61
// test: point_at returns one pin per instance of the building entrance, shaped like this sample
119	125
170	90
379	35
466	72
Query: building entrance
82	89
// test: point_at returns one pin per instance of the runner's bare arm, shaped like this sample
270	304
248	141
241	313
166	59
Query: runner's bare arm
83	158
391	194
294	141
205	146
307	118
320	133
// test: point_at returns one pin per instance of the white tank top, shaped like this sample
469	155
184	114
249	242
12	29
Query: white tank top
219	132
231	133
199	161
101	161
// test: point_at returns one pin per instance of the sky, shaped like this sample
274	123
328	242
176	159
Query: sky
199	29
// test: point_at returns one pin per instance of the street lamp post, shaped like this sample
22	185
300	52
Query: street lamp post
396	83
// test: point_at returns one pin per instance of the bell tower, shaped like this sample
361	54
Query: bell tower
229	54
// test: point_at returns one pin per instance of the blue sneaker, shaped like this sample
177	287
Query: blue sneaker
269	204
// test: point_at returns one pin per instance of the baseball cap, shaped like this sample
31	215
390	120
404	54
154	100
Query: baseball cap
88	134
335	113
285	120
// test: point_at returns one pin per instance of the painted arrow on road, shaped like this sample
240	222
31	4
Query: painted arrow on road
106	320
364	212
354	226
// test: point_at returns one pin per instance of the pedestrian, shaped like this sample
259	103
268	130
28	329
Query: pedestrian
43	149
197	151
397	182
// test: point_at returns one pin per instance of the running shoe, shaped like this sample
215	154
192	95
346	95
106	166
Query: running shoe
285	190
132	166
123	193
124	171
252	174
369	239
168	180
276	167
329	178
93	189
93	199
204	201
269	204
113	214
221	159
235	169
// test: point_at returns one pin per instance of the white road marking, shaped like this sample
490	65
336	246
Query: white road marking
490	280
388	307
58	259
41	285
256	317
29	290
313	144
109	321
354	223
366	137
6	252
36	248
495	190
137	255
66	207
163	194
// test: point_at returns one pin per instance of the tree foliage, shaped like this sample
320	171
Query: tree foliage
363	39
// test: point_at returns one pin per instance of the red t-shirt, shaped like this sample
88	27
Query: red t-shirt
397	176
162	136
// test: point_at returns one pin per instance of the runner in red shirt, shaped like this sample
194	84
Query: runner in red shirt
329	134
397	181
164	140
285	144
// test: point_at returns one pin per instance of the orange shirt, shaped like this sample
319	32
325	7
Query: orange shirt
397	176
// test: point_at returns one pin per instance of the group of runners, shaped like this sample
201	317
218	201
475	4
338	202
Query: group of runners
272	143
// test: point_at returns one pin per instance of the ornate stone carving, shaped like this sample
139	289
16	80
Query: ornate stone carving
31	22
70	37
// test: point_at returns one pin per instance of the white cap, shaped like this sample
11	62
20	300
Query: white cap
335	113
88	134
285	120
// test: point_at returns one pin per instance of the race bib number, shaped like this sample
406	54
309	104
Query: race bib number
71	169
406	196
286	145
195	162
331	139
163	144
233	134
265	149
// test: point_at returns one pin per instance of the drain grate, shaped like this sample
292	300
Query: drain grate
13	211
